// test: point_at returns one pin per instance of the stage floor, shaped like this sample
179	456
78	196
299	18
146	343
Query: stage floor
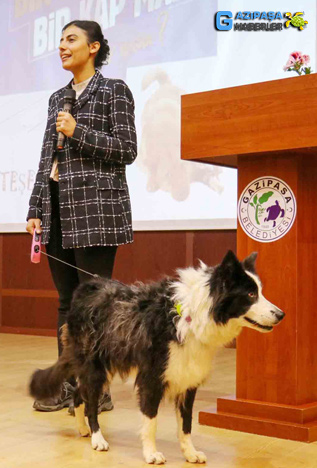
46	440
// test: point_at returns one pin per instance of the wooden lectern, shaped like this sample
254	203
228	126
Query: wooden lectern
269	129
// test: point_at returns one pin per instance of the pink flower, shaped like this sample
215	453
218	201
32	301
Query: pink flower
289	64
296	56
296	60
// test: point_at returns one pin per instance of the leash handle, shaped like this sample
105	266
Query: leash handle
36	248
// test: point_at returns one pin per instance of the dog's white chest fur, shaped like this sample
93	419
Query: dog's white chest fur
189	365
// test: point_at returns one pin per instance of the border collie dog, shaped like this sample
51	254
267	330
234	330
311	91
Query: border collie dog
167	331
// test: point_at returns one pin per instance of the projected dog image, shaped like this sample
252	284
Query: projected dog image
159	153
168	331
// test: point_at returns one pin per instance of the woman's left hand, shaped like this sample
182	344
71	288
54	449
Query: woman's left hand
65	123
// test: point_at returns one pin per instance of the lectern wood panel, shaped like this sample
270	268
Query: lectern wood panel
221	124
284	367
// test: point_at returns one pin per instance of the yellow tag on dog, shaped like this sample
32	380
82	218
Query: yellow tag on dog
178	308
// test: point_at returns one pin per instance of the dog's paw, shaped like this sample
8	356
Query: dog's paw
84	431
98	442
195	457
155	458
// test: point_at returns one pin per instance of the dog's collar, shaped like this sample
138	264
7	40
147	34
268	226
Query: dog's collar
178	308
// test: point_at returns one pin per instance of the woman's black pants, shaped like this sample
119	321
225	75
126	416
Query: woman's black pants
96	260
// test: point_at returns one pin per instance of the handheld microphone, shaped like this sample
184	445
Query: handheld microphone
69	99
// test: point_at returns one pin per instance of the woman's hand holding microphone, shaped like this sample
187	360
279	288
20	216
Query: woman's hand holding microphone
65	123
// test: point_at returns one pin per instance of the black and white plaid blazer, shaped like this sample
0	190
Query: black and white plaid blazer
94	198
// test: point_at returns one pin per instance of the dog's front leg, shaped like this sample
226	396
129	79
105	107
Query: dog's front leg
150	398
184	412
98	442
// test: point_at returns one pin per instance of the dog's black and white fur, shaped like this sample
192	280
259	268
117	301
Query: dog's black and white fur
168	331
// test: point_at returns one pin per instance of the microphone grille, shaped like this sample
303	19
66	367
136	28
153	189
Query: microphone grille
70	94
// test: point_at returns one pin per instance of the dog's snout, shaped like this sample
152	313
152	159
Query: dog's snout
279	314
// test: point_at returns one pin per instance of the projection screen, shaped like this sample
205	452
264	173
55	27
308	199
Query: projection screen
162	49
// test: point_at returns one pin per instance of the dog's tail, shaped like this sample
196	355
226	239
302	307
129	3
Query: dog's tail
47	383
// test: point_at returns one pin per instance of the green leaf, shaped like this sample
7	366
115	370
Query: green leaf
265	197
252	204
255	199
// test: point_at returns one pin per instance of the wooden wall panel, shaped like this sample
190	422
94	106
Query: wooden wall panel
29	312
28	297
18	271
211	246
152	255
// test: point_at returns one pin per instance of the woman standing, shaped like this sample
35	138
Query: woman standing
80	200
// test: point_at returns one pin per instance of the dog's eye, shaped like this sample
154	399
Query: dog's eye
252	295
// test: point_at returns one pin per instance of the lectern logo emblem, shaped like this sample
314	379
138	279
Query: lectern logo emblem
267	209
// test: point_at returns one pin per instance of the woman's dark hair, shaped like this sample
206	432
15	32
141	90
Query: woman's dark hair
94	33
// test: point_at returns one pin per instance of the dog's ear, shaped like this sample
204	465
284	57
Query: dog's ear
229	269
226	274
249	262
230	262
